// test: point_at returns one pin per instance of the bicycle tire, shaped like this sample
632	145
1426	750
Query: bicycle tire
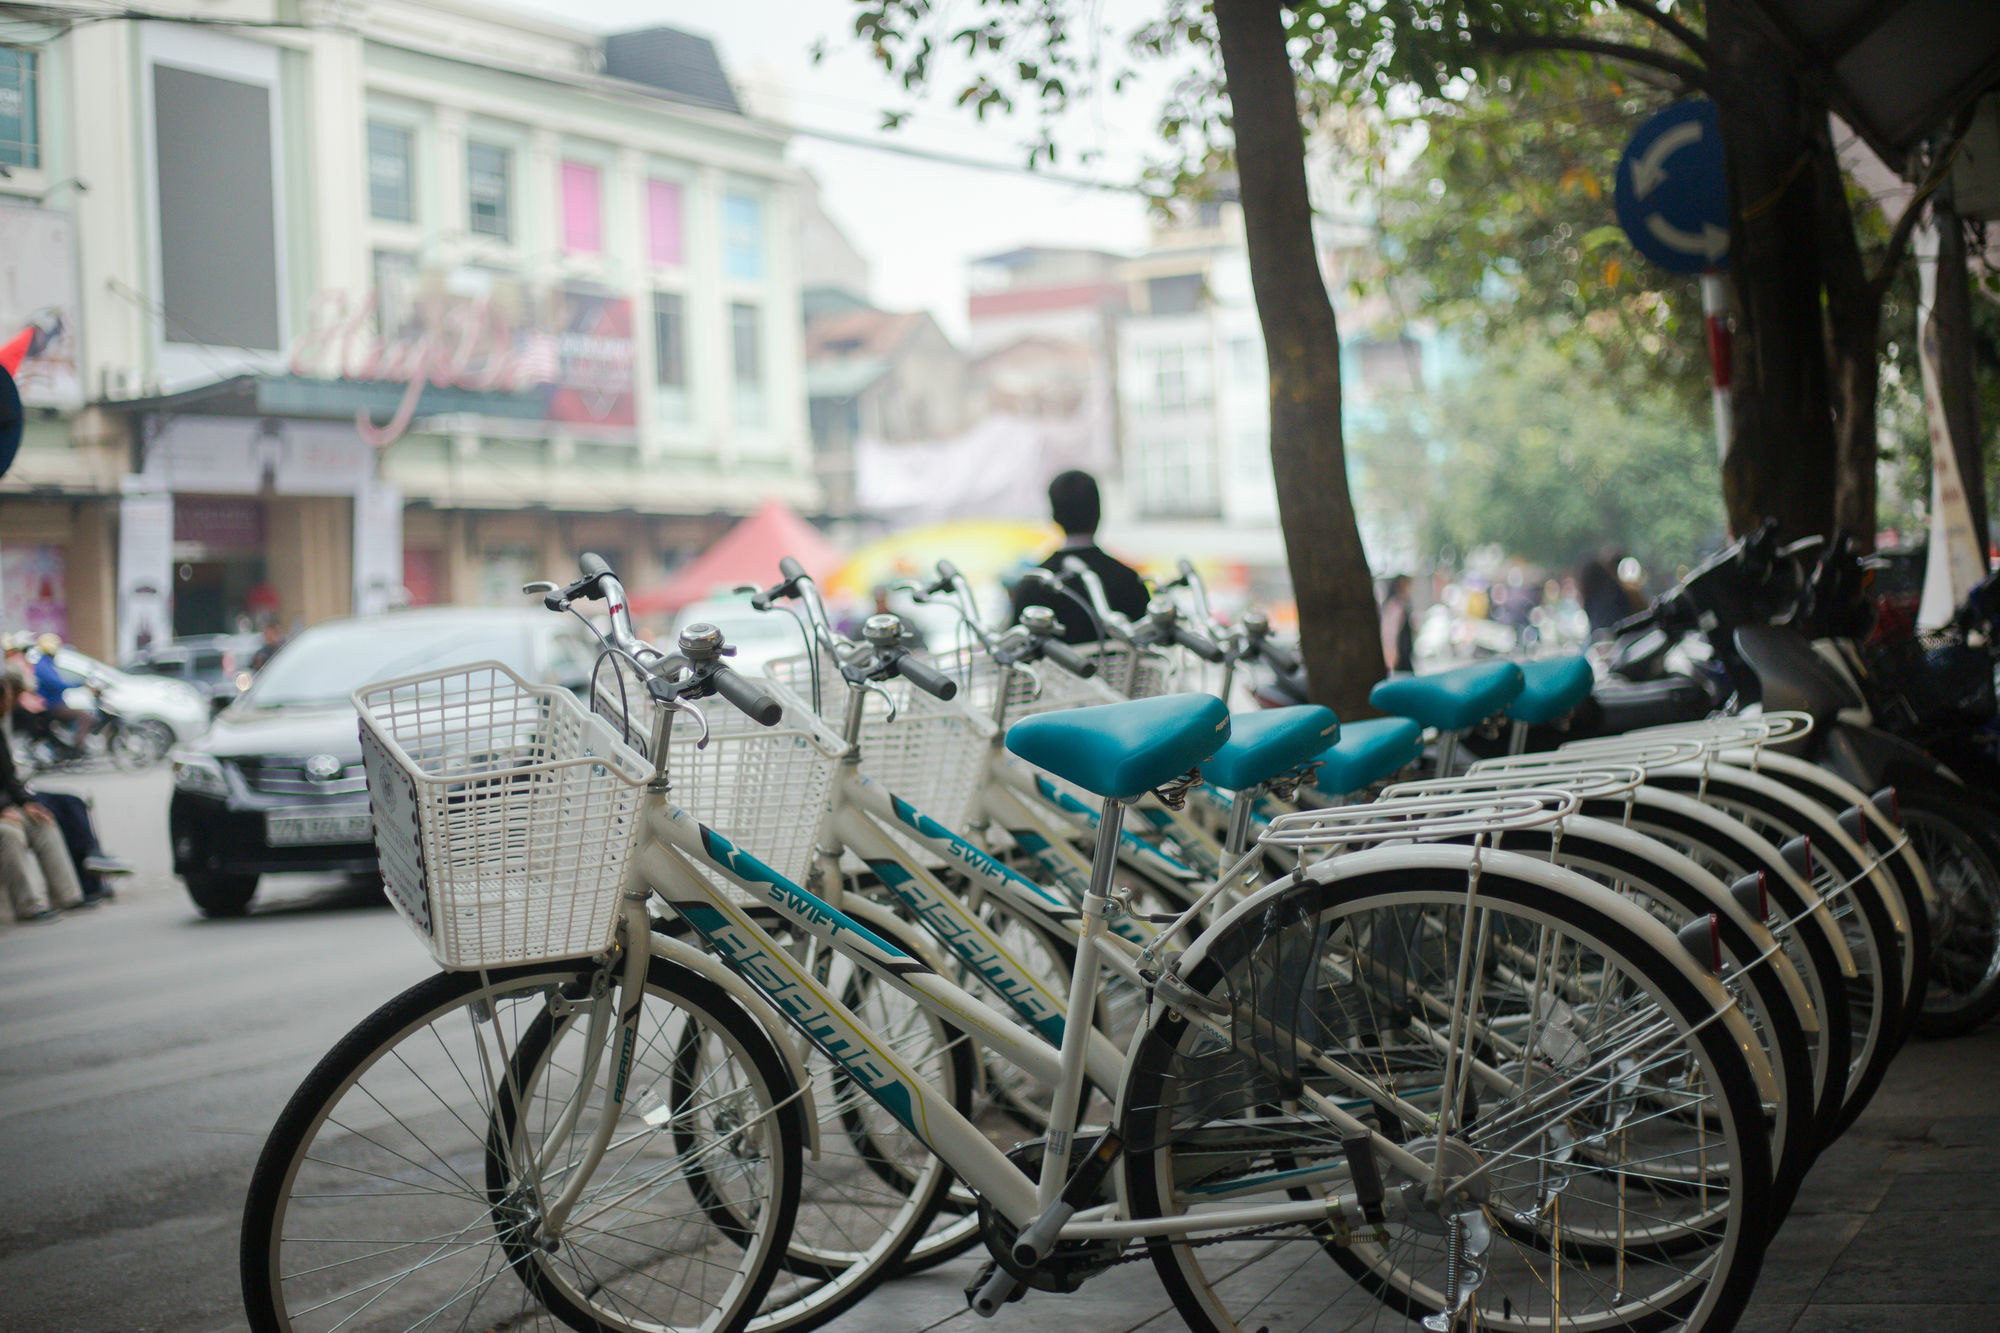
1959	839
1708	1295
421	1015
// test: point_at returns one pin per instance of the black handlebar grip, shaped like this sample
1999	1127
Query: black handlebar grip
1068	658
791	569
1280	658
758	706
592	564
926	677
1197	644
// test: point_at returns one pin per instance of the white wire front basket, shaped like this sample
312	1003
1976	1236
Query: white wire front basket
763	788
504	813
932	754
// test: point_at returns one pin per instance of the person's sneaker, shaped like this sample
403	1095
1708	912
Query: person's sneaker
106	865
43	917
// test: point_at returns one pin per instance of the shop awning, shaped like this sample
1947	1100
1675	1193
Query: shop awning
747	554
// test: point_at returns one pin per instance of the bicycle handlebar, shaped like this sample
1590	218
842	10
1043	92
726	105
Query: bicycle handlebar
1198	644
1068	658
926	677
748	698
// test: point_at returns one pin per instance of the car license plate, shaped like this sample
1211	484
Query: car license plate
297	828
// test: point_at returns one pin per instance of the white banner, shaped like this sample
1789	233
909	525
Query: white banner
1955	562
145	572
378	548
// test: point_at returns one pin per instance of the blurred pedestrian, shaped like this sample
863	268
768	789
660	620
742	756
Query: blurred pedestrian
49	684
1075	505
1604	599
29	838
274	637
1398	634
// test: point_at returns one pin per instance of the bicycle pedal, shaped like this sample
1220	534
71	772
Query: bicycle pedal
992	1287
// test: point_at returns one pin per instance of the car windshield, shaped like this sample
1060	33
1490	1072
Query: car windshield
325	664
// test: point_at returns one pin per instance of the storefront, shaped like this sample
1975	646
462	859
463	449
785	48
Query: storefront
227	520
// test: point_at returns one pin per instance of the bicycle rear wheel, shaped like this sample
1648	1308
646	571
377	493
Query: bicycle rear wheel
1619	1131
398	1189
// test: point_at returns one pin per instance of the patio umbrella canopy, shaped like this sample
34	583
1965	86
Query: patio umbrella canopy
747	554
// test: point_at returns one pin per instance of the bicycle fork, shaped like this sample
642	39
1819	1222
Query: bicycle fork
634	934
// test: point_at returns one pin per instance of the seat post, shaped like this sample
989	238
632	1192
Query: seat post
1242	814
1104	859
1447	752
1517	740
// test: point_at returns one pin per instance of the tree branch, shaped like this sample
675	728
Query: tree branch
1691	75
1670	25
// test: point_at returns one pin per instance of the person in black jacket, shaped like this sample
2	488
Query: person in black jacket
1076	508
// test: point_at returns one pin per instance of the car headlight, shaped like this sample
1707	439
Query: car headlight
199	773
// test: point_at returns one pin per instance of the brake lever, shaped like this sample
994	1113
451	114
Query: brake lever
1034	678
888	699
681	705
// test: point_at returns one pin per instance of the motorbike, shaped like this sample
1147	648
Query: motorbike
50	744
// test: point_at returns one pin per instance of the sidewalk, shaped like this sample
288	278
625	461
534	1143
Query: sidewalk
1897	1227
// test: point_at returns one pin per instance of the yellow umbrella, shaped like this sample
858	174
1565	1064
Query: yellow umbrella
982	548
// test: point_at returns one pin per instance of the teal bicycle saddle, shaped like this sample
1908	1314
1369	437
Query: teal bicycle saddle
1124	750
1455	700
1553	687
1368	752
1269	744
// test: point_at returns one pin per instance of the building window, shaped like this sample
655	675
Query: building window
670	354
20	125
391	174
742	238
1176	474
663	223
747	362
583	213
488	188
219	277
1178	294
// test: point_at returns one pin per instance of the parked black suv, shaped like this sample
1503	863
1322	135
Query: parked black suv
277	783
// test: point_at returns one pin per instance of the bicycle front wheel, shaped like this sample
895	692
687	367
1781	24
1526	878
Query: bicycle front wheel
402	1186
1613	1134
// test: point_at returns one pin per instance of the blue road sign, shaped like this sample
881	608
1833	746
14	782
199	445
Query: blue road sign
1672	197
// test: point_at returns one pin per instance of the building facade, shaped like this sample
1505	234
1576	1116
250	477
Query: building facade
390	300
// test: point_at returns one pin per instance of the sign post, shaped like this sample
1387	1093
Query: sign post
1672	200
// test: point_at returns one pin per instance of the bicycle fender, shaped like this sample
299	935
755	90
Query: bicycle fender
1816	908
711	968
1387	862
1824	829
1579	832
1844	793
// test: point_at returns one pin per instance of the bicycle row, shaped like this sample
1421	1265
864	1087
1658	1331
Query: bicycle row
748	1008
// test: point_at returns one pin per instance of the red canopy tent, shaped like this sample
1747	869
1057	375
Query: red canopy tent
748	553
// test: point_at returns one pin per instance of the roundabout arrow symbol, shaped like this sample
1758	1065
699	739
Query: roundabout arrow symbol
1650	167
1712	243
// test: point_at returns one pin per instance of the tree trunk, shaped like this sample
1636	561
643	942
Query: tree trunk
1853	336
1339	625
1782	464
1956	379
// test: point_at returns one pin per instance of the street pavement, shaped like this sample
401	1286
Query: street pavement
145	1052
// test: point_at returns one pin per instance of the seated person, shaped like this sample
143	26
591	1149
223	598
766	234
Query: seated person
29	838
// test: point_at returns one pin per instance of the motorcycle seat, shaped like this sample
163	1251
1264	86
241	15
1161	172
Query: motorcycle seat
1551	689
1124	750
1270	743
1367	752
1455	700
